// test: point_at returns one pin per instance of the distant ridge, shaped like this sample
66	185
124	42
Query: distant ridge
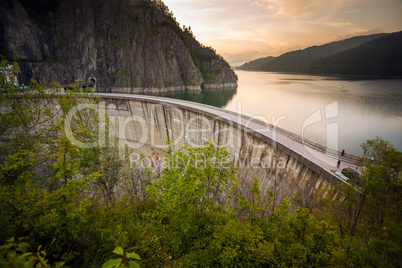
256	65
311	60
379	57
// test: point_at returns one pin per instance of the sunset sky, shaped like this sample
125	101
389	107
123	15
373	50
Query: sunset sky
243	30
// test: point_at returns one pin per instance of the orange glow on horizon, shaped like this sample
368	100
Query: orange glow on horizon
245	30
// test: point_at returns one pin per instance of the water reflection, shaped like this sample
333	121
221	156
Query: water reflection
215	97
366	108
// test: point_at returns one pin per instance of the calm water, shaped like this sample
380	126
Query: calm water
332	111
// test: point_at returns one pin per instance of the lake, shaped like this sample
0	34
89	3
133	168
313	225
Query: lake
336	112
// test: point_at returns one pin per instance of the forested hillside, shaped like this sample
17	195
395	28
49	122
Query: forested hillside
379	57
373	55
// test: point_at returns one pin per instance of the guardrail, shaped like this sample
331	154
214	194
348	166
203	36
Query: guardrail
346	157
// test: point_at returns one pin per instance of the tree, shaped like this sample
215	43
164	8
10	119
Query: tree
367	211
199	176
382	186
193	180
47	183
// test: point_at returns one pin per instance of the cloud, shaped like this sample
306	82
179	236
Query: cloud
238	29
295	8
369	32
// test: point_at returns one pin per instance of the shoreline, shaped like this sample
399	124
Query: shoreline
373	77
200	88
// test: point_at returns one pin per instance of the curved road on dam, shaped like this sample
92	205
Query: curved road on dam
319	155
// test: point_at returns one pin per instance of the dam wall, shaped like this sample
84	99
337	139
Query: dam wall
283	164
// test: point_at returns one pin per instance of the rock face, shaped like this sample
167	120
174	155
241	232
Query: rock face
124	45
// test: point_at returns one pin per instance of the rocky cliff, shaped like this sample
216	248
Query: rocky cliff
124	45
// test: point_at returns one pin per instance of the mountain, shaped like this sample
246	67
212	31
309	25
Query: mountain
124	45
379	57
256	65
290	61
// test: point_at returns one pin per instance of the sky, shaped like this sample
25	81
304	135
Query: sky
244	30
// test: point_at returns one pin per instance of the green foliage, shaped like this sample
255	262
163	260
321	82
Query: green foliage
254	207
238	244
368	217
43	175
126	259
17	254
194	180
199	176
78	204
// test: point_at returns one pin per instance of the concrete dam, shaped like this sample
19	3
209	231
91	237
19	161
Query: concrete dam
282	161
